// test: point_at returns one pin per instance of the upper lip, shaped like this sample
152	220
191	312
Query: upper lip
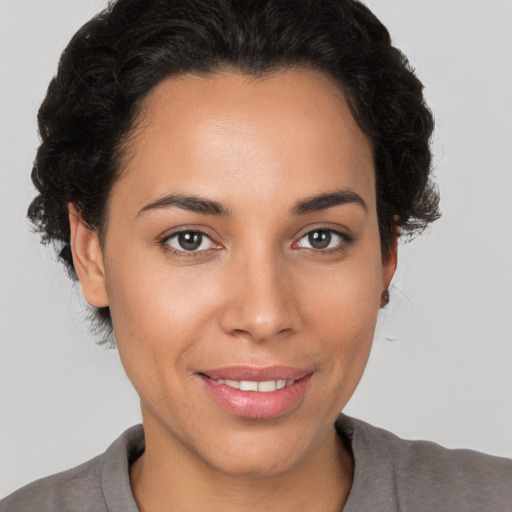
257	374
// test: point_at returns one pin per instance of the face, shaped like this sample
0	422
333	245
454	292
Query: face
242	266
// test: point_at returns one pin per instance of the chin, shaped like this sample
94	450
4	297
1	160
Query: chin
255	453
264	464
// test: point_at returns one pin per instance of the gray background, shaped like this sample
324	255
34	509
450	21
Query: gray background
441	367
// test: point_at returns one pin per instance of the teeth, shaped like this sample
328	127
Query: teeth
281	384
232	383
266	386
248	385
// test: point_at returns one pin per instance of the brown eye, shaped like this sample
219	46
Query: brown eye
320	239
190	241
323	239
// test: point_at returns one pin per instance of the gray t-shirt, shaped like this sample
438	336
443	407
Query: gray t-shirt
390	475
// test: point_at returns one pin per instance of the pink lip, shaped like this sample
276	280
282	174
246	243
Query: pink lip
254	404
243	372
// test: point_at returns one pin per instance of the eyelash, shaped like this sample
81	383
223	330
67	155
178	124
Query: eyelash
346	240
182	253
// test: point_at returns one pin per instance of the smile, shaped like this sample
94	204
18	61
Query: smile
266	386
257	393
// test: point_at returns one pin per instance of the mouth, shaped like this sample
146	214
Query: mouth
256	392
266	386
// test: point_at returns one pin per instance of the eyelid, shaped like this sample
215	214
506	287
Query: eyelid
187	228
163	241
204	239
335	229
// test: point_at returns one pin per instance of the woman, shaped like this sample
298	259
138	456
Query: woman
228	181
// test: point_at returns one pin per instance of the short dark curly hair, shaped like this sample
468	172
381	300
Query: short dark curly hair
118	57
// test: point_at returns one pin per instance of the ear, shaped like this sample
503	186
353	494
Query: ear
389	267
87	260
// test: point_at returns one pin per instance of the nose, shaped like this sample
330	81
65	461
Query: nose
261	303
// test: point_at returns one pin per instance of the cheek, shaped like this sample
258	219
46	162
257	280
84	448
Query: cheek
343	313
345	298
158	314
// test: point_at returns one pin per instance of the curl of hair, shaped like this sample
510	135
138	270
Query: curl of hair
114	61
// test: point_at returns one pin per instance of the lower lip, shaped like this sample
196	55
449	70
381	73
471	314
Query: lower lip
257	404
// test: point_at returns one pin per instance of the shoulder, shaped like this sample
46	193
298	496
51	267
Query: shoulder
422	474
61	491
87	487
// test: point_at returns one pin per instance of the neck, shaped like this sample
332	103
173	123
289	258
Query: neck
168	477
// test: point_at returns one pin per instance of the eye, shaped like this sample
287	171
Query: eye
189	241
323	239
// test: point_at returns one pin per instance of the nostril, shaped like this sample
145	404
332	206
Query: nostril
259	335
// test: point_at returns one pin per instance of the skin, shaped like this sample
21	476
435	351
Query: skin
258	293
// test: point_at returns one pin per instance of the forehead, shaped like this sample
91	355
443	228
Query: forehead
233	133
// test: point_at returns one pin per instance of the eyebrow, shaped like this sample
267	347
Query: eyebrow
209	207
190	203
328	200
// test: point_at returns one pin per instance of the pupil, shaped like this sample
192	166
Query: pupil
320	239
189	240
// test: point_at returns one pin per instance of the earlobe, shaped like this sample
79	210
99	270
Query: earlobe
87	259
389	268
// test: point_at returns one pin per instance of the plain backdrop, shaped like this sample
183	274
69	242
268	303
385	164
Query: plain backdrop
441	368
